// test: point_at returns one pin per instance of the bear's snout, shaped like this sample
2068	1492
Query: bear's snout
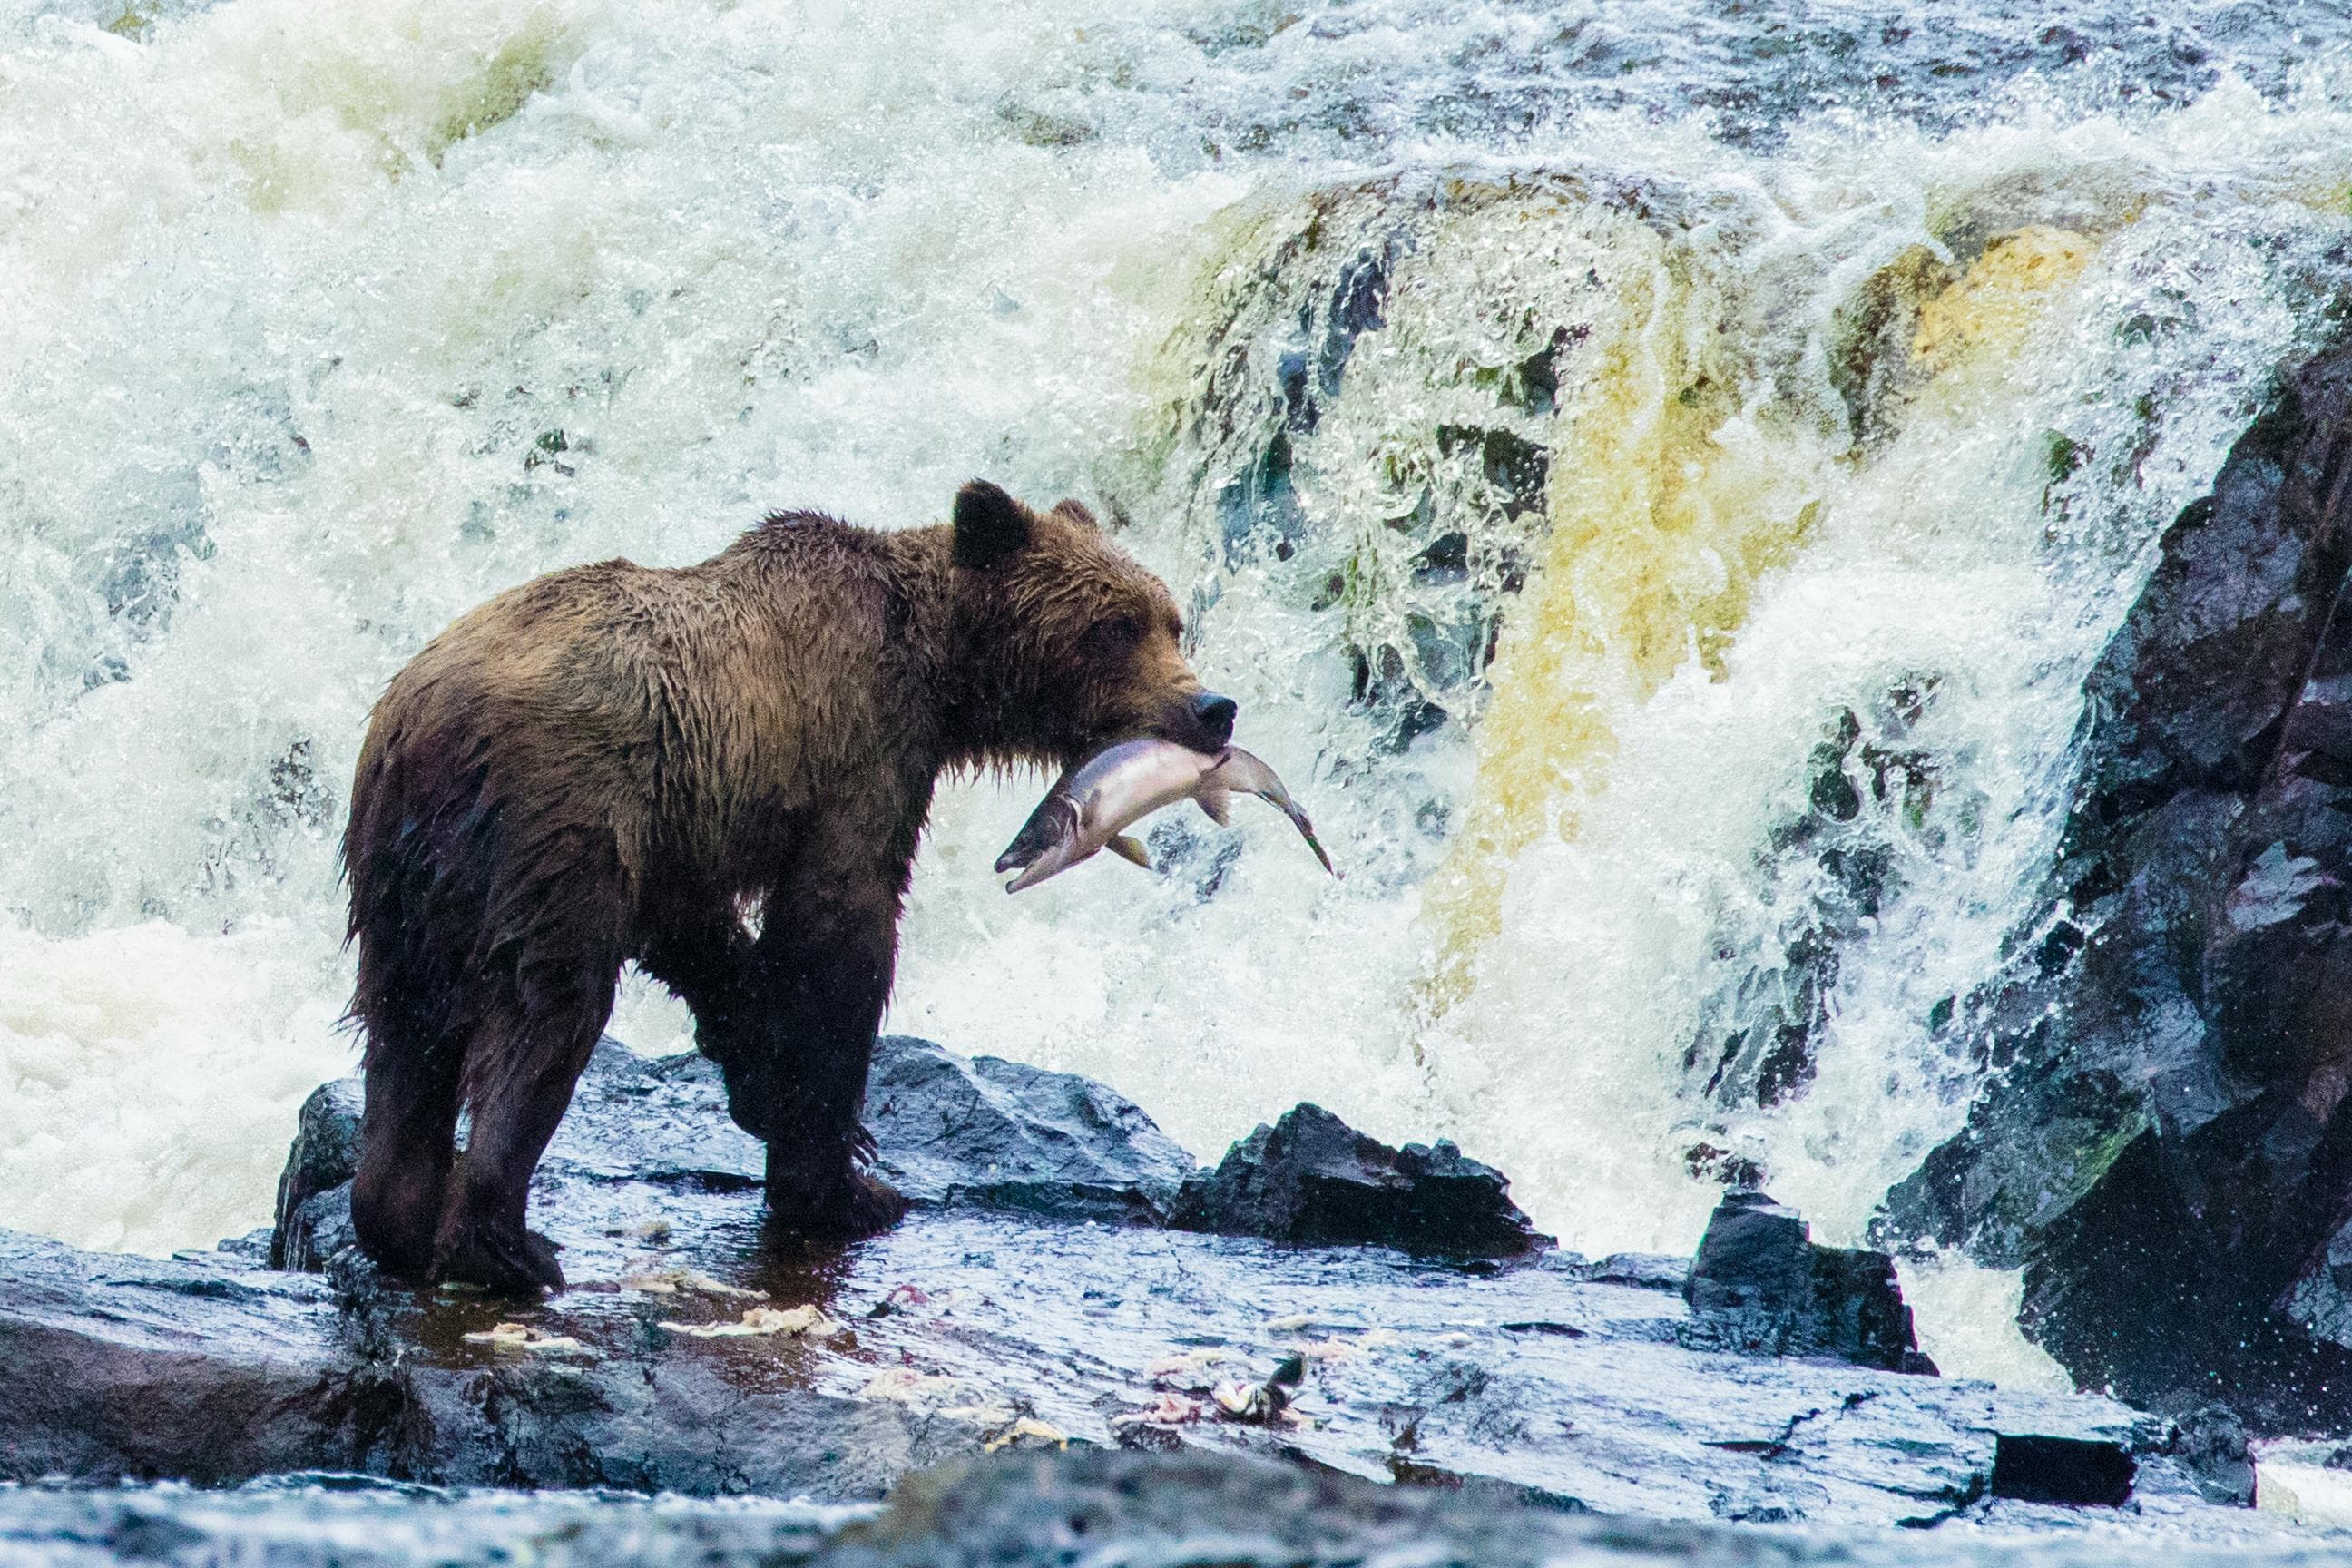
1214	712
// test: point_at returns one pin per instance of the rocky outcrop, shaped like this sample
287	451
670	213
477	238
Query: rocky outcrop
950	1132
311	1226
1312	1178
2167	1143
1761	1283
694	1356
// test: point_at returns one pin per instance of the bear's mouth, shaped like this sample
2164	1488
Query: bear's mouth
1202	722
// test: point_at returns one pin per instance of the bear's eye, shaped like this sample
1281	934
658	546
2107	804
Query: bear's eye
1114	635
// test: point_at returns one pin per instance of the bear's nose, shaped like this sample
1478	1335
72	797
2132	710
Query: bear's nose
1214	714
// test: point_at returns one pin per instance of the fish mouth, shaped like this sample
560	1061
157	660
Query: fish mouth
1054	823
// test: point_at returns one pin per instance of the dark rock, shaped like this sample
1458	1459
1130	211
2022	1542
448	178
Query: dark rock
2062	1470
253	1247
1204	1508
1643	1270
345	1522
983	1132
325	1154
315	1232
1760	1284
2167	1147
1312	1178
114	1367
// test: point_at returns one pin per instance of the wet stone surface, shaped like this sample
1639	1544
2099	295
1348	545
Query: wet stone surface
695	1356
1099	1507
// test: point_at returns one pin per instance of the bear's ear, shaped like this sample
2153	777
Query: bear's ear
1077	512
991	526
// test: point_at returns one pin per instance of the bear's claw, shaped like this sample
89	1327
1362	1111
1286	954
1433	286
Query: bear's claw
505	1263
861	1207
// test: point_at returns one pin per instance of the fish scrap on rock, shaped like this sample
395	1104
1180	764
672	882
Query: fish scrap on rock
523	1336
806	1322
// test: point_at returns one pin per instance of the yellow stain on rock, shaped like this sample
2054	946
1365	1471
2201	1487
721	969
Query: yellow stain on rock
1990	312
1669	502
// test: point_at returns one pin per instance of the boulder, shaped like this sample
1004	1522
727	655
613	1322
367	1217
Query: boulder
1198	1508
982	1133
308	1239
1760	1284
2066	1470
1312	1178
2211	1444
2164	1143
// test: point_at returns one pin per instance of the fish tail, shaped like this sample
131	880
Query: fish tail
1307	831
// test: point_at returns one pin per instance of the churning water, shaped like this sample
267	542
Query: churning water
1655	474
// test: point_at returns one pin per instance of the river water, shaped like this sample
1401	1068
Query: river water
1654	476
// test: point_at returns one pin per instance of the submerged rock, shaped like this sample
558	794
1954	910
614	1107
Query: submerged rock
2166	1145
1760	1283
1312	1178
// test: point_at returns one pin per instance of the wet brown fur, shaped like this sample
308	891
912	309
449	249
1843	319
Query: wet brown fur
617	764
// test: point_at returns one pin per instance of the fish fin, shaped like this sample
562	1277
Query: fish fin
1127	848
1217	806
1242	771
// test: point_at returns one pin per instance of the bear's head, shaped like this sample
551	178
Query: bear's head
1070	643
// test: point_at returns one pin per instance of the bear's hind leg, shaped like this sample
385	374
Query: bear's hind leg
520	1073
407	1141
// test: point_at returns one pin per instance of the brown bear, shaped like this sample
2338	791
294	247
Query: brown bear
719	773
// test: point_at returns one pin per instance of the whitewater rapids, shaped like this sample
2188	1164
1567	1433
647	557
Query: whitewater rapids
1584	437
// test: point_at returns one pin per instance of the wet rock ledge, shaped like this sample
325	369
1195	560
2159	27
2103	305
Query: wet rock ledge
1036	1300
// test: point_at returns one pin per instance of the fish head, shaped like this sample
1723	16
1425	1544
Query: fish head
1055	822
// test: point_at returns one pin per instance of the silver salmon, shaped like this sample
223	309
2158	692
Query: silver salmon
1091	807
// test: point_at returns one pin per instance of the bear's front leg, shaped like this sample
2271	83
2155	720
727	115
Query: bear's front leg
826	952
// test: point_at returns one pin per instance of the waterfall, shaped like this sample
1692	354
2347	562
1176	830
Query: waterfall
1654	477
